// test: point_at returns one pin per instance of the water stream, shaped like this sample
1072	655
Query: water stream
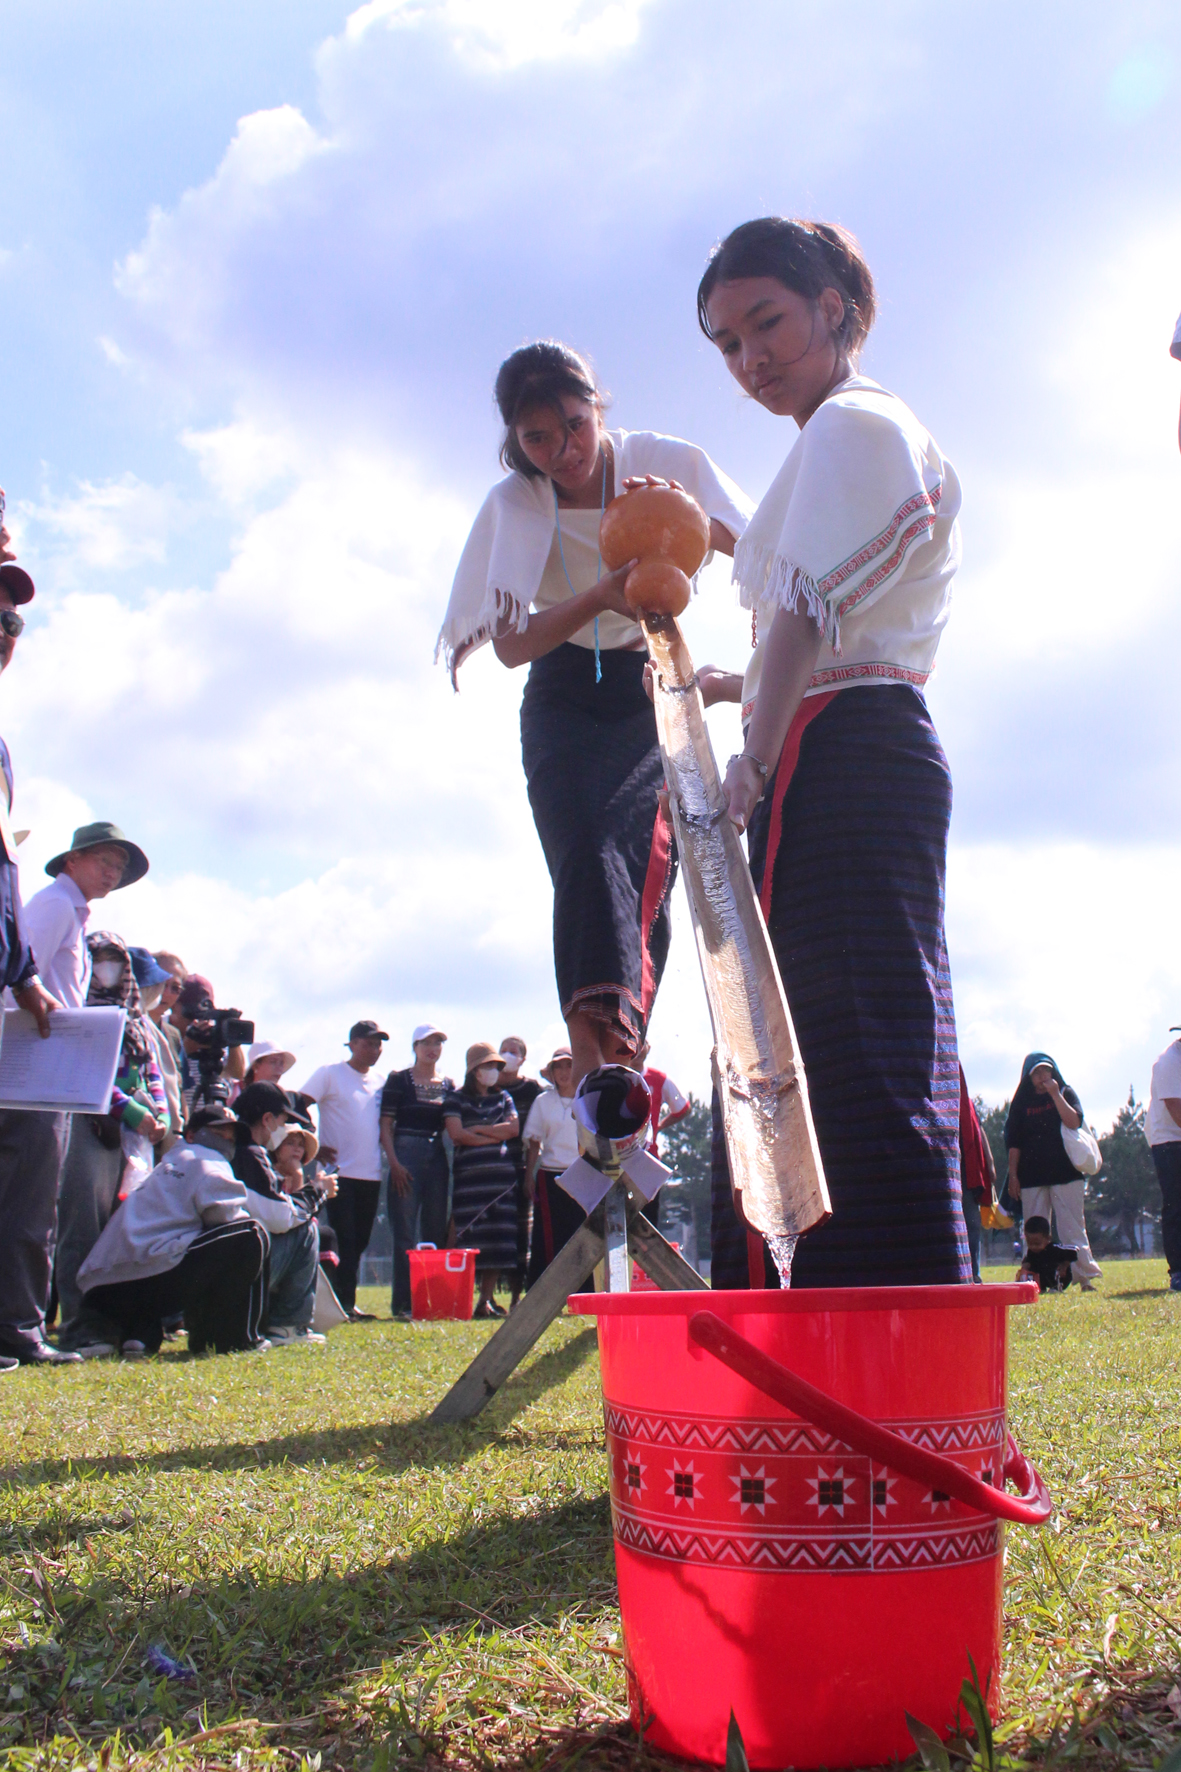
783	1253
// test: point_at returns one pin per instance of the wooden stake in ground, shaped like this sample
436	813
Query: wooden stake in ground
504	1351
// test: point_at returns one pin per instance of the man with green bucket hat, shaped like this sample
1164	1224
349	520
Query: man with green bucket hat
34	1146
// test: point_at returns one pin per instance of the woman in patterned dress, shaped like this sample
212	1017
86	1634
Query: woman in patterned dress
481	1120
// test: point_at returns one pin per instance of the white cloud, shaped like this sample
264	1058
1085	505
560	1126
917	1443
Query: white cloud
107	527
505	34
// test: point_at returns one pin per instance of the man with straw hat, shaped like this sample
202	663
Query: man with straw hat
99	860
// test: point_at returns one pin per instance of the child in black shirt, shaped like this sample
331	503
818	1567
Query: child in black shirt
1047	1263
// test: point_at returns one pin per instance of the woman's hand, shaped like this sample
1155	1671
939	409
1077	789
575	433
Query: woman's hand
330	1182
152	1129
634	482
744	789
608	593
401	1178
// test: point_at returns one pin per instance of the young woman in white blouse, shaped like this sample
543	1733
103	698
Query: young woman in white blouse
531	580
847	565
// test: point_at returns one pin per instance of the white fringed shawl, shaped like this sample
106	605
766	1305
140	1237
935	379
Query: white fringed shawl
860	488
504	557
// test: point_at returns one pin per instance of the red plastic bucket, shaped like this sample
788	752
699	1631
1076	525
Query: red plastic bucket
442	1282
805	1490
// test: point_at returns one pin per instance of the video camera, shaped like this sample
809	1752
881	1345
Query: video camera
213	1031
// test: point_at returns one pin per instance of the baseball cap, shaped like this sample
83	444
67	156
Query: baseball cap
216	1114
366	1030
424	1030
147	970
258	1099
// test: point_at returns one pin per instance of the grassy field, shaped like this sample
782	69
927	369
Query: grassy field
348	1587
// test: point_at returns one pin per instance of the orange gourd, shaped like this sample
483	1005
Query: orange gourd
657	587
654	522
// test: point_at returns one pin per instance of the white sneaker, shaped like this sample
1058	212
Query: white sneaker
131	1350
290	1336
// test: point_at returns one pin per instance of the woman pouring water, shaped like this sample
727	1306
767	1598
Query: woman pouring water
532	581
842	782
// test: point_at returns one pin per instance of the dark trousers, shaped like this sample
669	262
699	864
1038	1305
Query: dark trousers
556	1217
1167	1158
420	1214
32	1151
351	1216
220	1285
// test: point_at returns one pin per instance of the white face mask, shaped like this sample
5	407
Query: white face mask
108	972
282	1131
488	1074
511	1061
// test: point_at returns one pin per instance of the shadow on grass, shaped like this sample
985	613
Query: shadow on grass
385	1447
287	1651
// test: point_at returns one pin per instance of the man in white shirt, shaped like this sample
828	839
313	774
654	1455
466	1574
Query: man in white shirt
348	1096
99	860
1163	1130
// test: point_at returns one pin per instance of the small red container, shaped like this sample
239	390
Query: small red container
764	1564
640	1280
442	1282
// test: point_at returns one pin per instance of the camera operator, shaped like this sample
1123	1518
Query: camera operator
32	1145
266	1117
212	1037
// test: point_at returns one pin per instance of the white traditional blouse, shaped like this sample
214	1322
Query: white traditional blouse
860	527
511	561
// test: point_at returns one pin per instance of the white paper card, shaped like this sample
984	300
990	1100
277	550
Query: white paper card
71	1072
646	1174
584	1183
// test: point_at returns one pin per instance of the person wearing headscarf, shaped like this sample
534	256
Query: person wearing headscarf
1041	1174
104	1146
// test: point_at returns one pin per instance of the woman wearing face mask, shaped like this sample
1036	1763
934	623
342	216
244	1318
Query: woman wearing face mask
480	1120
411	1129
847	564
1041	1174
100	1144
524	1092
531	581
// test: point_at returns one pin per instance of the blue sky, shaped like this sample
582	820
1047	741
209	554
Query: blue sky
258	265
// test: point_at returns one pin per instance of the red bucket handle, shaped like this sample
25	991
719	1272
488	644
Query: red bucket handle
1031	1508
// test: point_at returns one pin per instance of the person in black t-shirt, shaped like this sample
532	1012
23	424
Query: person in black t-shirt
412	1138
1046	1262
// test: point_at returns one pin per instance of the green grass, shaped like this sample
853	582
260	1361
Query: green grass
354	1588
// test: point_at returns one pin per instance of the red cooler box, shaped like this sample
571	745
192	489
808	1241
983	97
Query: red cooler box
442	1282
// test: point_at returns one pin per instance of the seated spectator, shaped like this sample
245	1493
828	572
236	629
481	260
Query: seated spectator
184	1241
551	1145
104	1147
1046	1262
263	1112
411	1129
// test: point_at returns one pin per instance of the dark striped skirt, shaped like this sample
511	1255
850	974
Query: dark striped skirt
593	768
484	1206
849	851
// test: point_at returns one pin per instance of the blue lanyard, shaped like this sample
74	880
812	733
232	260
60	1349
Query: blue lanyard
599	570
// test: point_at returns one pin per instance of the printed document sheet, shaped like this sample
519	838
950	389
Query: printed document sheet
71	1072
